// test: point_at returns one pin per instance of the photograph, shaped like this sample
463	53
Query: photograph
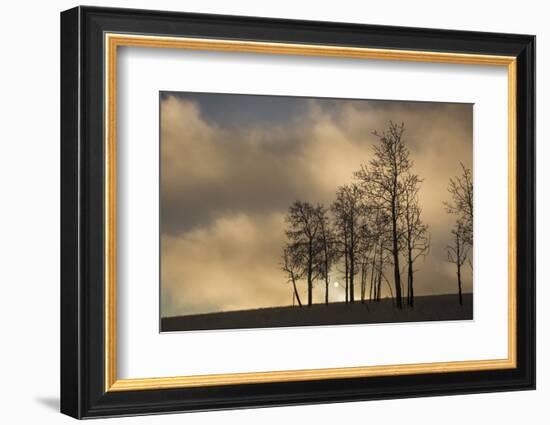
280	211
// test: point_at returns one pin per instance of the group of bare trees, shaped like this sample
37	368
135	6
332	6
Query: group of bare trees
375	223
310	250
461	189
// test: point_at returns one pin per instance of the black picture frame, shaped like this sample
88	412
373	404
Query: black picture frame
83	392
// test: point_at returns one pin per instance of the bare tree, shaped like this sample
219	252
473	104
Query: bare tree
382	257
457	253
349	213
377	270
368	239
461	189
373	281
416	235
342	230
365	263
329	253
292	265
383	183
303	234
379	252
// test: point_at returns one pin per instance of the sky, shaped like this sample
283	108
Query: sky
232	164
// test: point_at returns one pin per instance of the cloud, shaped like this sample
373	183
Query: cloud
229	262
208	171
227	181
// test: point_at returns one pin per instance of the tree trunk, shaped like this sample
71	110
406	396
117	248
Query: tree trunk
379	286
458	275
326	271
310	276
458	266
373	265
397	275
379	274
410	278
410	286
296	292
459	285
346	265
395	253
363	282
352	271
351	277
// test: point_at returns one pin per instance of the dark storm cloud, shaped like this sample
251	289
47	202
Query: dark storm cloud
234	110
232	164
228	170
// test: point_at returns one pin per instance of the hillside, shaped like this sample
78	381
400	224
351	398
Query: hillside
427	308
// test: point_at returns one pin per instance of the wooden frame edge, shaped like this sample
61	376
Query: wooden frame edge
306	375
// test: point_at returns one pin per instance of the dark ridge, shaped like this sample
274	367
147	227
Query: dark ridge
426	308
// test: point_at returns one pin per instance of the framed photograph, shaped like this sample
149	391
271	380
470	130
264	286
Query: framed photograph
261	212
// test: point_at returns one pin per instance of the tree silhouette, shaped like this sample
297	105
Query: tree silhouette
461	205
381	258
379	252
377	270
457	253
349	213
304	242
416	235
383	183
292	265
376	223
329	252
461	189
368	241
